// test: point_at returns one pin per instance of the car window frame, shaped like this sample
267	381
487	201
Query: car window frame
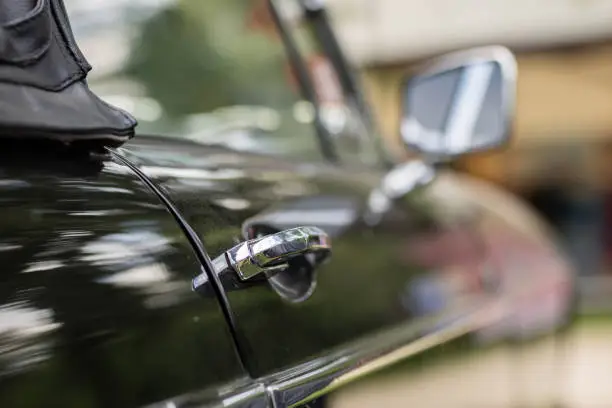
305	84
315	14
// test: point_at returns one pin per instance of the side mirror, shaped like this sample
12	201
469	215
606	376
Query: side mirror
460	103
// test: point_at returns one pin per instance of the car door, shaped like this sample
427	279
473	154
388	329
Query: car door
412	273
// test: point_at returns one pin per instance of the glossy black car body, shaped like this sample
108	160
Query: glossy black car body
99	249
98	253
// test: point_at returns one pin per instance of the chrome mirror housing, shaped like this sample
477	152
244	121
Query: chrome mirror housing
460	103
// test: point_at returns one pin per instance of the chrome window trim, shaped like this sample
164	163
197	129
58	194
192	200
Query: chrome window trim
299	385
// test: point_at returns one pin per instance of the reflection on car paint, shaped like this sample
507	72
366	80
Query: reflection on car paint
534	278
95	290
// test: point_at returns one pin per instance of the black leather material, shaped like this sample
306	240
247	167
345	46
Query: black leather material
43	88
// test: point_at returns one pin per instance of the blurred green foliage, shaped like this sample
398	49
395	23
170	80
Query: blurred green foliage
201	55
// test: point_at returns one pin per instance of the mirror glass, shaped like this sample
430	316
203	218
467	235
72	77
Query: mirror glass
457	110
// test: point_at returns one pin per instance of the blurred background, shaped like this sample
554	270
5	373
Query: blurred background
200	69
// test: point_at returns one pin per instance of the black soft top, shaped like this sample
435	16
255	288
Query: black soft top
43	88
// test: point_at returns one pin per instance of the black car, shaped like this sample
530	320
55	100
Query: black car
172	269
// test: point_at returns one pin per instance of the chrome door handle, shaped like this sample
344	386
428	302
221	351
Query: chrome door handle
271	252
265	255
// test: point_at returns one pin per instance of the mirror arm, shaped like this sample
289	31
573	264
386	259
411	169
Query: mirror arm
395	185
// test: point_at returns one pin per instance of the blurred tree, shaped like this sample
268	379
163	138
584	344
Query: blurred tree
198	56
